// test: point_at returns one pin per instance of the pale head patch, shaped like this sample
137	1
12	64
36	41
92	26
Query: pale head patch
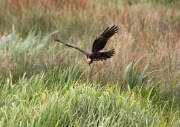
89	60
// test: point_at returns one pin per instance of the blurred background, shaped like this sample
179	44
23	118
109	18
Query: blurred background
149	31
44	83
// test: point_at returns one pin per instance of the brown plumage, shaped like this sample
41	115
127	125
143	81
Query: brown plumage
99	44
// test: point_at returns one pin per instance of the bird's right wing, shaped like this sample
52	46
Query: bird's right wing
101	41
72	46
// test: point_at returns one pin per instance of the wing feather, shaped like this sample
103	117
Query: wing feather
72	46
101	41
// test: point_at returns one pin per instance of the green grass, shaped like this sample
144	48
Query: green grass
45	100
43	83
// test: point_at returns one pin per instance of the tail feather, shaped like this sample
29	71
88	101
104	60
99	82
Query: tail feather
107	54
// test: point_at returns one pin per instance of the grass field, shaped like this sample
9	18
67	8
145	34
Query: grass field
45	84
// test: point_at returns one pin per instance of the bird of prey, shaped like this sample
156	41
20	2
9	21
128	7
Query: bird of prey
99	43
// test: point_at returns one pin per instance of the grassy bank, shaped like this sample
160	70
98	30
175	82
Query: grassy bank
55	99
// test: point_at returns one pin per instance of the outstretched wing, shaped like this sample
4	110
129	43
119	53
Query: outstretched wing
100	42
104	55
72	46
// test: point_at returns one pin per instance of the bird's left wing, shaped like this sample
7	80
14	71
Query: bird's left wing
101	41
72	46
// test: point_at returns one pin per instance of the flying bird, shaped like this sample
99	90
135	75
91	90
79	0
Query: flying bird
99	43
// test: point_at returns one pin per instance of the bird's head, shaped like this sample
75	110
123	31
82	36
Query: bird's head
89	61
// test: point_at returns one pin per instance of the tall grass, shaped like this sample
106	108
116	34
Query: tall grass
46	100
44	83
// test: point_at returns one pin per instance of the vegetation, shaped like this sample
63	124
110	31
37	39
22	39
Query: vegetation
43	83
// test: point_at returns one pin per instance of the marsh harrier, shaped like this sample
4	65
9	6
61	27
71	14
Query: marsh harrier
99	44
